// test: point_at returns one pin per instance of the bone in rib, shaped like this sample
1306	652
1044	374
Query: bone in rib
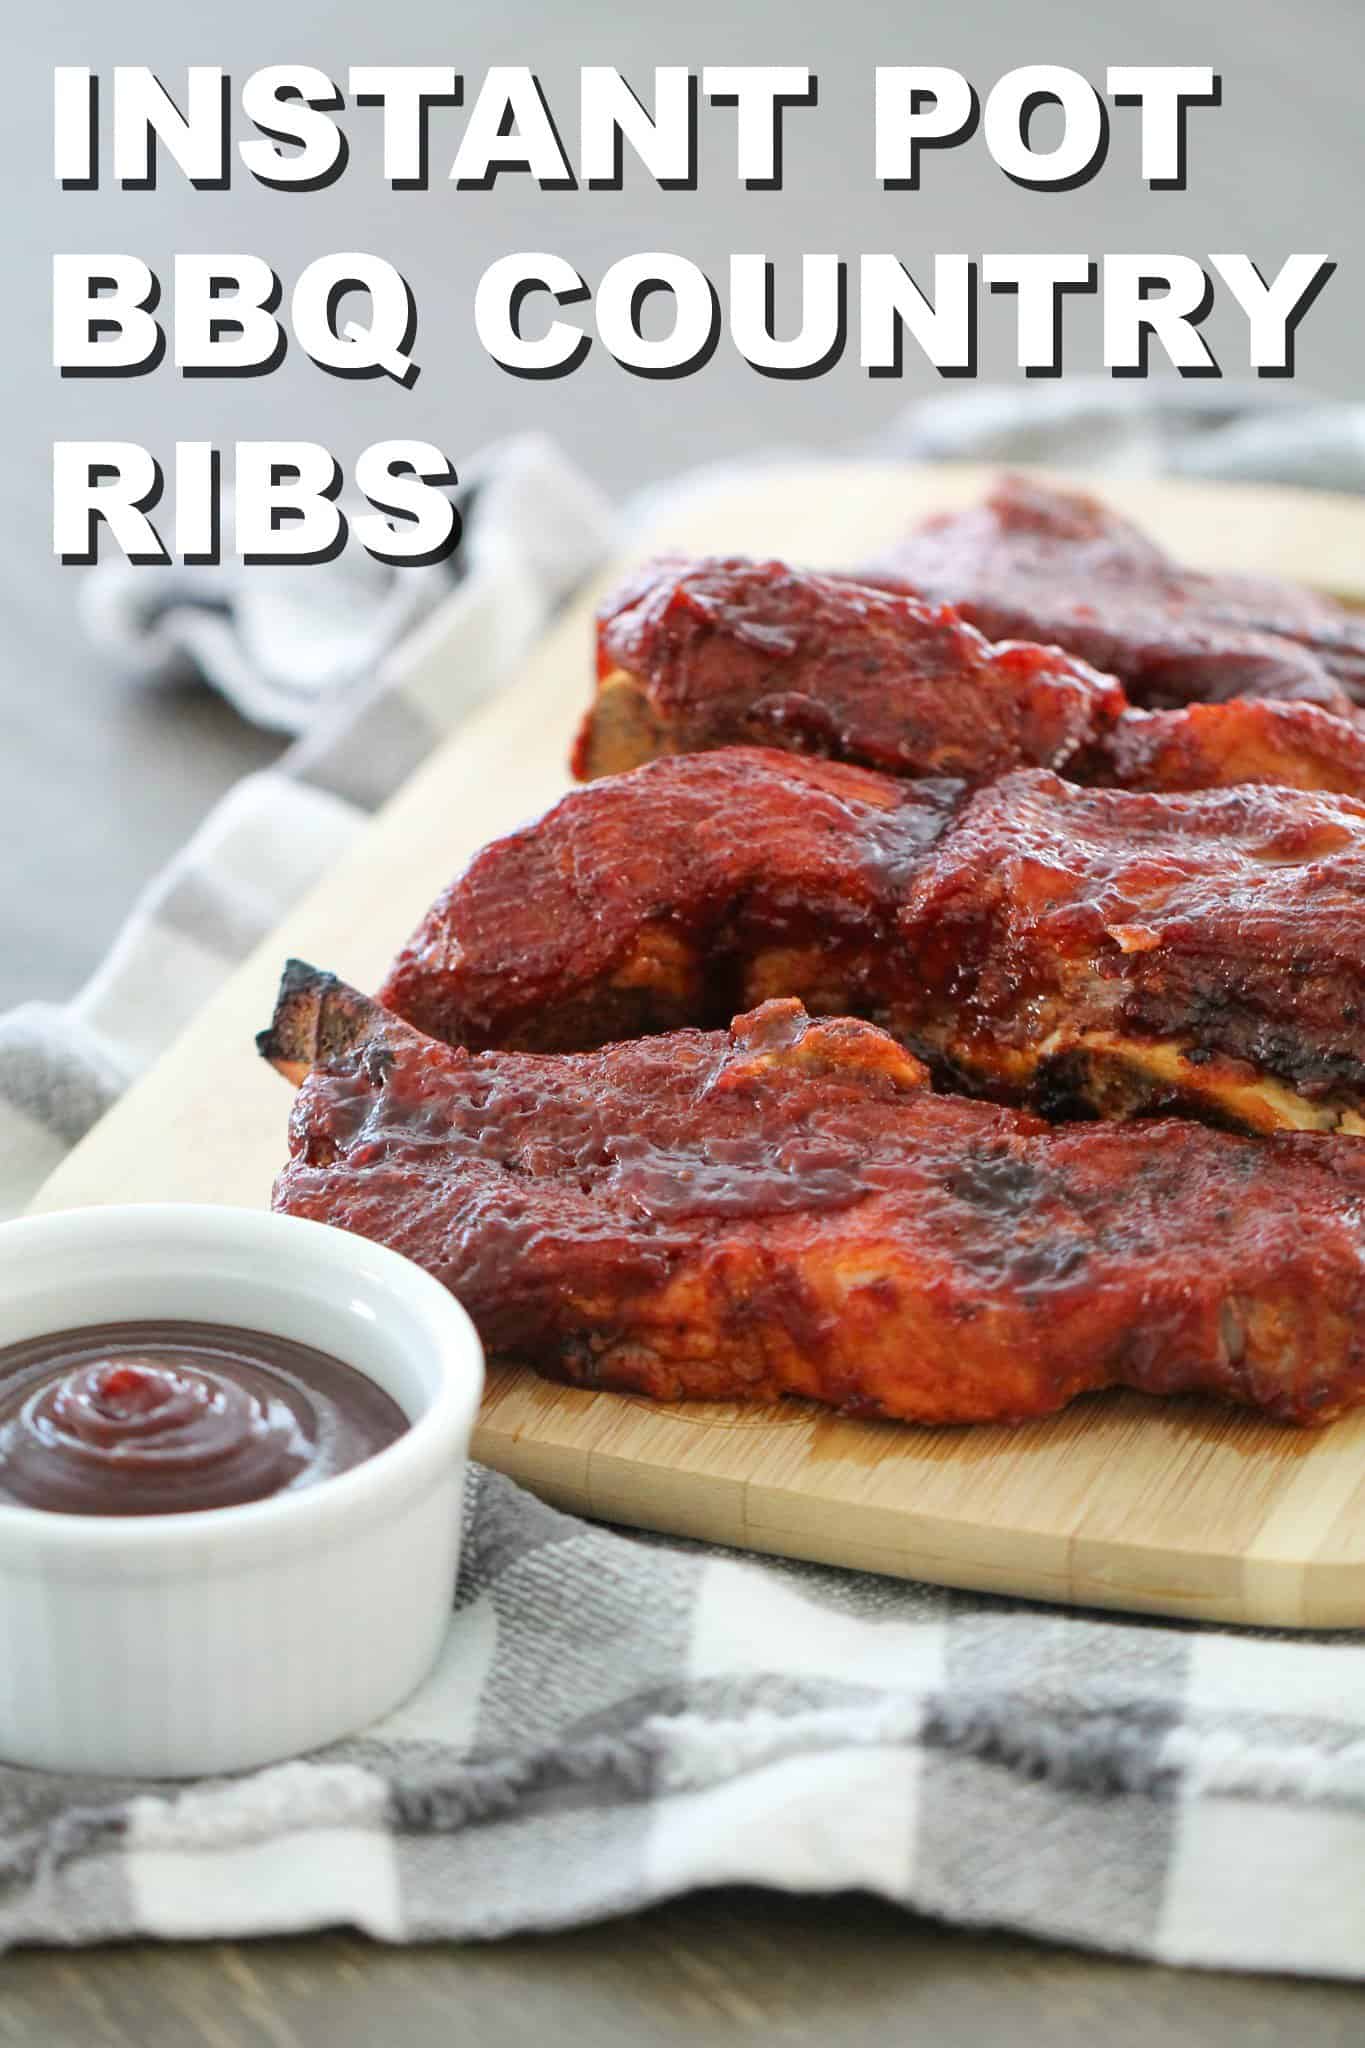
1038	563
785	1208
1080	950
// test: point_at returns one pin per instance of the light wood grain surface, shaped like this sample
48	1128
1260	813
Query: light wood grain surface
1174	1508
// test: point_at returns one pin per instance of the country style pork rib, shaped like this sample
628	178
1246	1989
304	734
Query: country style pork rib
1076	949
719	652
1216	746
1037	563
784	1208
693	655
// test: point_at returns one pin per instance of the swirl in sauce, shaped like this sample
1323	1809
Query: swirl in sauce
168	1417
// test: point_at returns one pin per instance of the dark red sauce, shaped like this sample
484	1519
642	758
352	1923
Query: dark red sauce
161	1418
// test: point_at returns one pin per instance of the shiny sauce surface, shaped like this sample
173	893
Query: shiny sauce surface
163	1418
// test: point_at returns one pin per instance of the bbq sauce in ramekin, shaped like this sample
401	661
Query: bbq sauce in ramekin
163	1418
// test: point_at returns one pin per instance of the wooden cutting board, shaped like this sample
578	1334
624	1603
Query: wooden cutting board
1179	1508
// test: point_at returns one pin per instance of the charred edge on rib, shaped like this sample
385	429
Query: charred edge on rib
316	1018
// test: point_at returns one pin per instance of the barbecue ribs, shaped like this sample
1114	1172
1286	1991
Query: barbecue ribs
694	655
1213	746
724	652
1082	950
784	1208
1037	563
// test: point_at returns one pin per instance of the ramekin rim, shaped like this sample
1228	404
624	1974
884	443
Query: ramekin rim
392	1476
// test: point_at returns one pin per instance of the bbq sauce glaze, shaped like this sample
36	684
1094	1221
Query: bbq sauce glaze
162	1418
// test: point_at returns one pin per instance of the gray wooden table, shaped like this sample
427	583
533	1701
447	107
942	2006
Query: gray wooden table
723	1967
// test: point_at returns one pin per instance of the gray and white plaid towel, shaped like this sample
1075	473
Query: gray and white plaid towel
616	1719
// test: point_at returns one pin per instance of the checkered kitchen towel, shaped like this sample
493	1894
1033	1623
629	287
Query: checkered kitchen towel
616	1719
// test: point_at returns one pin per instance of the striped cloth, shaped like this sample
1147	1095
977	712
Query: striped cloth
616	1719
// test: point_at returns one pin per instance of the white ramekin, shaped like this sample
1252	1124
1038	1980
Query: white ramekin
184	1645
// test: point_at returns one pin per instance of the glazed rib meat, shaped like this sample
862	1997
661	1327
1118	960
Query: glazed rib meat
726	652
1082	950
1037	563
1213	746
785	1208
695	655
